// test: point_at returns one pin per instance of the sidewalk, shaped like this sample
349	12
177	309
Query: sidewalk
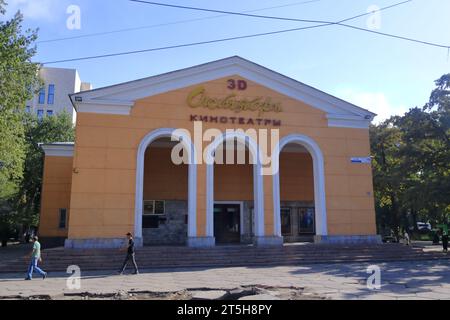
399	280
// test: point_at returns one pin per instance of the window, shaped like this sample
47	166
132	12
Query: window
40	114
306	223
286	221
49	113
42	96
28	109
51	94
155	207
149	207
159	207
62	218
153	210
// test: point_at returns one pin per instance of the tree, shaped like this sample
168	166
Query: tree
411	166
18	79
426	152
385	142
58	128
22	209
439	124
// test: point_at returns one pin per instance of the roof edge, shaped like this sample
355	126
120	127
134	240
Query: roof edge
316	97
58	149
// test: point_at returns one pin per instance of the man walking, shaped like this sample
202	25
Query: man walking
444	228
35	257
130	255
407	238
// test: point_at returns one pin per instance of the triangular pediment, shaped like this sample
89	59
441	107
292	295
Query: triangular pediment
119	99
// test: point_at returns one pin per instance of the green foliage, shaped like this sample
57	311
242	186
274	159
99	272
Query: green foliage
22	208
58	128
18	78
2	6
11	152
412	164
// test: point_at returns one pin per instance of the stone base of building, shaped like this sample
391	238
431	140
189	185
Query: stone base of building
268	241
99	243
52	242
201	242
171	228
368	239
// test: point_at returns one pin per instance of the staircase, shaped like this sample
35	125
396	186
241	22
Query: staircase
59	259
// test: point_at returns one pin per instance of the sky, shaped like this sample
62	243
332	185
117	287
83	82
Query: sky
387	76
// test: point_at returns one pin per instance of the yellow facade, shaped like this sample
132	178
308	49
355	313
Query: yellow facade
165	180
101	177
56	185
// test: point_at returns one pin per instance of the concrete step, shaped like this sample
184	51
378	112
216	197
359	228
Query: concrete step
188	257
182	258
212	253
168	257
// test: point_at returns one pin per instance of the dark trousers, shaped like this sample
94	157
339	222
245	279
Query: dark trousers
127	258
445	242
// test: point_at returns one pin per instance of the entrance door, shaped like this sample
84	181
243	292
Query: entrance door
227	223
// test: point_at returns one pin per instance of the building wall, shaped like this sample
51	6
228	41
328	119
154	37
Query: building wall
164	180
102	201
172	227
296	177
66	81
56	188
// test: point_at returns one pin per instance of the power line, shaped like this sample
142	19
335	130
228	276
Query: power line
339	23
246	37
249	15
182	45
398	37
96	34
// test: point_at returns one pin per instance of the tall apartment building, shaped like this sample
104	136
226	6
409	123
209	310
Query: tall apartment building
53	97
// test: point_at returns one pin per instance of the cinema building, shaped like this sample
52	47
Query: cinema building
123	172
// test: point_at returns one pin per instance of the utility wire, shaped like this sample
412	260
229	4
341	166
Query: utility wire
96	34
397	37
340	23
249	15
245	37
181	45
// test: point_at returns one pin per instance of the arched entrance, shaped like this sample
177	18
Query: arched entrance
192	178
258	203
319	182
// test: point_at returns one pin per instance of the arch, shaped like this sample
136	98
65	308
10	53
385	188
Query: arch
319	182
258	195
185	139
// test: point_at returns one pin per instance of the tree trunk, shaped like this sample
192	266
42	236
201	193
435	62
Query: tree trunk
22	233
395	216
414	217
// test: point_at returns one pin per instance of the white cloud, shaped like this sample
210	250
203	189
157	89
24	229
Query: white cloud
376	102
34	9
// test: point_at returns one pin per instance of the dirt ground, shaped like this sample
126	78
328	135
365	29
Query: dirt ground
243	293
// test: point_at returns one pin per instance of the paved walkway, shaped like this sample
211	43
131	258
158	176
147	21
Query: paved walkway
399	280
